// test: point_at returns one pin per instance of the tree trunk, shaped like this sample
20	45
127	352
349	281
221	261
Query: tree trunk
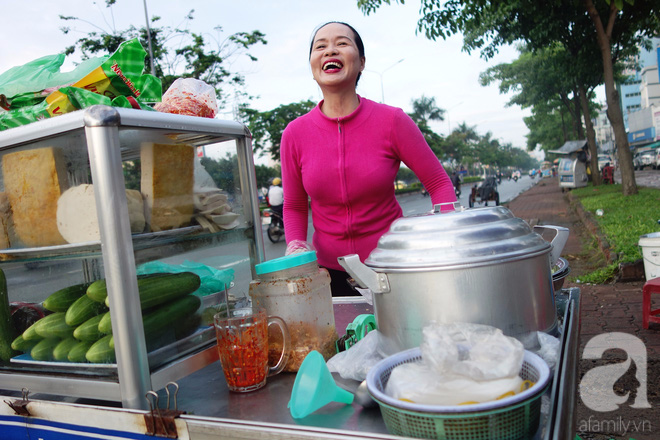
591	137
614	113
577	121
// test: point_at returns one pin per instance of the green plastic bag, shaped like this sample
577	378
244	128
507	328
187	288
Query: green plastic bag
30	83
119	79
212	280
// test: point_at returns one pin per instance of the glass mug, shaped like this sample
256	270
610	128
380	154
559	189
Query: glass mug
242	336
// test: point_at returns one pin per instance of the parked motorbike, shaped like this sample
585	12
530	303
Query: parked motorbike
275	229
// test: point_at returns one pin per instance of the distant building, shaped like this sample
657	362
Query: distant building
640	101
604	132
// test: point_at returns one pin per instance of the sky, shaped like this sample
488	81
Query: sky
400	65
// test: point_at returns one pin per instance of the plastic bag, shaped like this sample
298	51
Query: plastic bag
298	246
189	96
461	364
30	83
356	362
117	81
549	350
212	280
476	351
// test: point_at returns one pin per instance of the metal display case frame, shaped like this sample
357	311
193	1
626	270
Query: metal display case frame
106	131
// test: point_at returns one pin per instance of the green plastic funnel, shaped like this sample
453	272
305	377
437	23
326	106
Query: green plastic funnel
315	387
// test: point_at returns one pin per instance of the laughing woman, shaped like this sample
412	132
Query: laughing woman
344	156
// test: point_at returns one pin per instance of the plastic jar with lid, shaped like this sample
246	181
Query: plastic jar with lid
297	290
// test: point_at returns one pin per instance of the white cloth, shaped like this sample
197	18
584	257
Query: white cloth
275	195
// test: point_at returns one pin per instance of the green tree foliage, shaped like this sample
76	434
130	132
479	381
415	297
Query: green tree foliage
486	25
264	175
224	172
177	52
425	110
267	127
541	80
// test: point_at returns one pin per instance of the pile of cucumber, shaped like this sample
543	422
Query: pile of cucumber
80	329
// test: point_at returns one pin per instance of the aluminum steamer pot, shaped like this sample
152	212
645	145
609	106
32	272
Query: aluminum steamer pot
479	265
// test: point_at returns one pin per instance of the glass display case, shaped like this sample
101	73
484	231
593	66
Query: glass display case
122	196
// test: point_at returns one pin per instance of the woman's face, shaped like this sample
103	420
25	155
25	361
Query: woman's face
335	59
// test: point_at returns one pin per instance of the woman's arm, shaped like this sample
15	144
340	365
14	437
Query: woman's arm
418	156
295	196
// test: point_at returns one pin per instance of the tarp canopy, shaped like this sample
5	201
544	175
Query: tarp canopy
570	147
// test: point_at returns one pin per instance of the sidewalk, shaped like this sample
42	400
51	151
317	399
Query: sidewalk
604	308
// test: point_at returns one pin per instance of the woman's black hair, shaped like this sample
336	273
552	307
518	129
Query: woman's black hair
358	41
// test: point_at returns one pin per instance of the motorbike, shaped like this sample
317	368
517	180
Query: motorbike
275	229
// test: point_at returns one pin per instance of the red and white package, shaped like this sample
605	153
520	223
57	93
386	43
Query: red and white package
189	96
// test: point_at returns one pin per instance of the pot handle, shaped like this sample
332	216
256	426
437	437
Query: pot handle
558	242
363	275
438	208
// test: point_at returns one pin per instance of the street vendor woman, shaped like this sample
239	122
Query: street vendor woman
344	156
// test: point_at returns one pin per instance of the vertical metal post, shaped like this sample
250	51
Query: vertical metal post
250	197
102	134
151	52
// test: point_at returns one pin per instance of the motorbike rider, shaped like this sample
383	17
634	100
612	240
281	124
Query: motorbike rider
456	181
276	201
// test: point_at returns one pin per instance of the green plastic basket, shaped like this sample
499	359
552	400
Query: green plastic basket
511	418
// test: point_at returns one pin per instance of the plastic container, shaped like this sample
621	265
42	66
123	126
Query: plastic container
650	244
297	290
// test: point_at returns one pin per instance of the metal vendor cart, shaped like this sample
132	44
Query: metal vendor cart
49	399
572	168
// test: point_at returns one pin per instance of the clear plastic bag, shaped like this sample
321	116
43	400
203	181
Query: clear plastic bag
461	364
189	96
356	362
298	246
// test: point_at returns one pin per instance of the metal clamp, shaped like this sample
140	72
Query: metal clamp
161	422
20	406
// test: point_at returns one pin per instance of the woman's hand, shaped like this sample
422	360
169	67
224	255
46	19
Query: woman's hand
298	246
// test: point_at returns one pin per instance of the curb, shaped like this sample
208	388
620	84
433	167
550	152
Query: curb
626	271
592	226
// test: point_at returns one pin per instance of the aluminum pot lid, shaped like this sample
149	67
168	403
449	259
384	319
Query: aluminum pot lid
461	237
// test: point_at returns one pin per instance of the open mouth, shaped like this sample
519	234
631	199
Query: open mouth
332	65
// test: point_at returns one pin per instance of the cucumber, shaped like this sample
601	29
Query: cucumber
178	315
43	351
53	326
61	350
105	325
20	344
7	333
157	290
30	333
170	313
83	309
98	290
100	352
61	300
89	330
78	352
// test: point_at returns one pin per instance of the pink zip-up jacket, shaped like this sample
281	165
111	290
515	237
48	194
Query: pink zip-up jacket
347	167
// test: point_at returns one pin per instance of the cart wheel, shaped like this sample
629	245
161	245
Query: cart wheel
497	198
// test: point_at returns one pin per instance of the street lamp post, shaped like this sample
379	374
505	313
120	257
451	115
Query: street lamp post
380	74
448	122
